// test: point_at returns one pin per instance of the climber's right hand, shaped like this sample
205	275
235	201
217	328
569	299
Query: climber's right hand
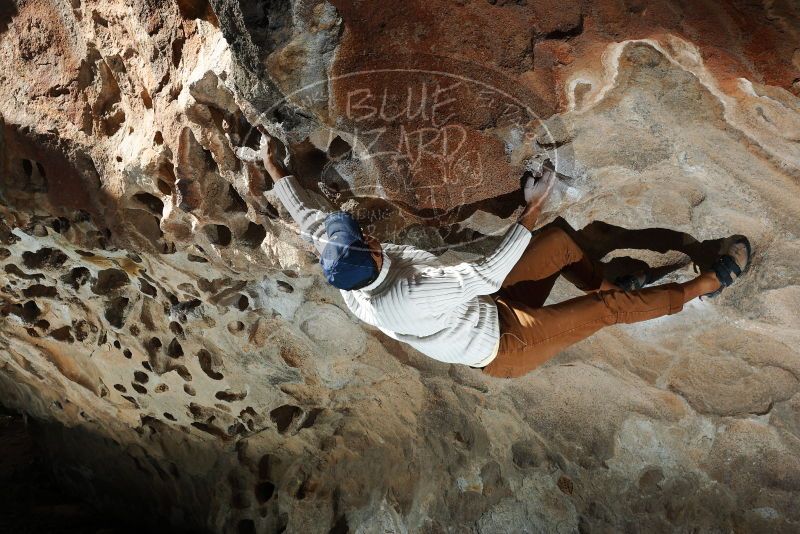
272	161
536	191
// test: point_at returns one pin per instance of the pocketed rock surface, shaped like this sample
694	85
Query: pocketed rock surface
161	314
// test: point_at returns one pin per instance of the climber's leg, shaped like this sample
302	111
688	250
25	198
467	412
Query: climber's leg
531	336
550	253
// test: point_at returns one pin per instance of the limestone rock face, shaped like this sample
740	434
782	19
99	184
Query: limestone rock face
163	318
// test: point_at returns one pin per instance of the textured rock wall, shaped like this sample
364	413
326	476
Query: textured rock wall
161	308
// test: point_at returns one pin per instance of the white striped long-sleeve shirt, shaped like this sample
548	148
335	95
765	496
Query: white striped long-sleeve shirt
445	312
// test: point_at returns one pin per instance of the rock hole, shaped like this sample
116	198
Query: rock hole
302	491
82	329
146	99
16	271
183	372
566	485
188	194
164	187
211	429
177	51
151	202
230	396
311	418
39	290
264	491
254	235
62	334
242	303
146	288
174	349
566	33
198	9
28	312
284	287
235	327
169	416
140	377
115	311
120	388
341	526
246	526
209	364
236	203
152	346
43	258
127	353
218	234
201	412
117	344
189	390
60	224
283	416
176	328
338	148
77	277
27	167
282	524
138	388
109	280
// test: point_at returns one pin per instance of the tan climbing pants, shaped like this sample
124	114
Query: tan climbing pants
531	333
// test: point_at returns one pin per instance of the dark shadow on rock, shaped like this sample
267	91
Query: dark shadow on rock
599	238
31	497
8	10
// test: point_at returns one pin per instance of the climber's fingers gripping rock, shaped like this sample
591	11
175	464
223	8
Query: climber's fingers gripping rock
270	153
536	190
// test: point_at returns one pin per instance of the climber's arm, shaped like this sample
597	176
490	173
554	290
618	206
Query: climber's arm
451	286
438	288
294	198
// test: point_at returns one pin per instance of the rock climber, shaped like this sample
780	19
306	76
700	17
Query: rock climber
487	314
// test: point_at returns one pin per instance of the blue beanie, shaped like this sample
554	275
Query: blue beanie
346	259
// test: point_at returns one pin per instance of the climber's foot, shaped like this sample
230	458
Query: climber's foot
732	265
